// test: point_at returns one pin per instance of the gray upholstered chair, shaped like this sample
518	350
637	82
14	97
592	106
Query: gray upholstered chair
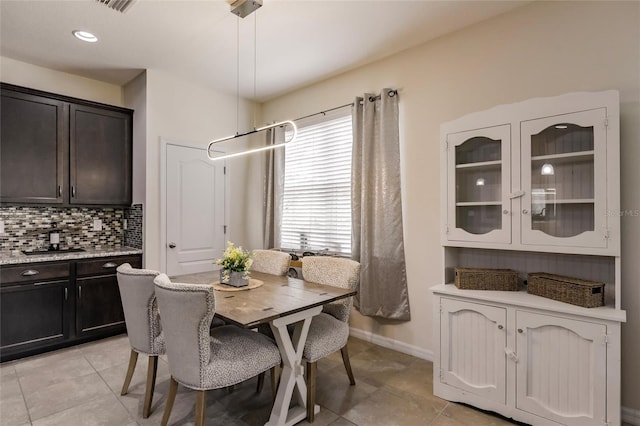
137	292
270	262
329	331
201	361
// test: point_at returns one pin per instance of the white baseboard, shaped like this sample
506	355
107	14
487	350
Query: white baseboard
392	344
631	416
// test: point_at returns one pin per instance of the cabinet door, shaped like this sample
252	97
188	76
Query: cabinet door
564	175
478	185
100	144
561	372
33	316
32	149
472	348
99	309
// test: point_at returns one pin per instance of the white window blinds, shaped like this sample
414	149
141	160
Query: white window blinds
316	211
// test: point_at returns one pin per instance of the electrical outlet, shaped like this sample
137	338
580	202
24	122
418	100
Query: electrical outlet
1	226
97	225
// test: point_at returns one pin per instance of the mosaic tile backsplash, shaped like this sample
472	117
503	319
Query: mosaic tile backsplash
27	228
133	233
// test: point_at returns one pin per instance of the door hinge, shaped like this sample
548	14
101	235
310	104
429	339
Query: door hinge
605	339
446	145
441	377
606	422
605	233
446	229
606	123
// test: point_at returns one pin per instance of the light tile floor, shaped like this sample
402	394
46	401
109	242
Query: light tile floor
81	386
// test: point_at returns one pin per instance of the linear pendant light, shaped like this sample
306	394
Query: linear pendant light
251	151
243	8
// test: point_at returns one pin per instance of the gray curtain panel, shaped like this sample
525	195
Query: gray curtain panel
377	240
273	186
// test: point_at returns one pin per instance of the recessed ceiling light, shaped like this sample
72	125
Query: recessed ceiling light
85	36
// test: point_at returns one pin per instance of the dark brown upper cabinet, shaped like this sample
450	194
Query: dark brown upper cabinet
60	150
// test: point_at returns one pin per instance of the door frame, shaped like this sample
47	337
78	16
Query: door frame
164	143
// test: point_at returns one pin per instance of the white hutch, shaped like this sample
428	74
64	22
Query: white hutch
535	187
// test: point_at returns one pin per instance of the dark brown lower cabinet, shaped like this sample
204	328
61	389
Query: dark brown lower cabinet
50	305
34	315
98	306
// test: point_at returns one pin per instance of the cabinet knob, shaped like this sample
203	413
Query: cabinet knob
109	265
500	327
30	273
520	331
505	211
525	211
172	245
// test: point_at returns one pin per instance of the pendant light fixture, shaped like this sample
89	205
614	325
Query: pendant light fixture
243	8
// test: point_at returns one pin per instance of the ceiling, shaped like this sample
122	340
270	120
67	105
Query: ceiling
295	42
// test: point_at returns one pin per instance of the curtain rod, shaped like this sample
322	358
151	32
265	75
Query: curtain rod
392	93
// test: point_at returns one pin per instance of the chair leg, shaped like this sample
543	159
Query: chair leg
312	372
347	364
201	398
275	380
152	370
260	382
173	389
133	359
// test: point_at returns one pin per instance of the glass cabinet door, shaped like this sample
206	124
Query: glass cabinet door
478	181
564	179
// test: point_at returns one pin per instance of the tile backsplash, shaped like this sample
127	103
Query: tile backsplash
27	228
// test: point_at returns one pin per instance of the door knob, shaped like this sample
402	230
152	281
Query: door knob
172	245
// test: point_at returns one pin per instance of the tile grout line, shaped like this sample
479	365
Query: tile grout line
24	399
440	413
109	387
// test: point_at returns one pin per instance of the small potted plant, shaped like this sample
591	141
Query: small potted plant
235	264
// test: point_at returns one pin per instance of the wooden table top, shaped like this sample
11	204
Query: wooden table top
278	297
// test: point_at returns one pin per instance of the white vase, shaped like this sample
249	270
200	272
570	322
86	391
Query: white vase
236	279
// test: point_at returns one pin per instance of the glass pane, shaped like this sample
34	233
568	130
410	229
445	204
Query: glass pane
476	184
563	180
562	138
479	182
479	219
477	150
563	220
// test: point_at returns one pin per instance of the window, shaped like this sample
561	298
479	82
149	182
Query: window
316	211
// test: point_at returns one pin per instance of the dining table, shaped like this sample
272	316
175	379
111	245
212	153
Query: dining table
282	302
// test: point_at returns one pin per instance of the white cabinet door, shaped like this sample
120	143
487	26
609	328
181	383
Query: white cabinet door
478	185
564	177
561	371
472	356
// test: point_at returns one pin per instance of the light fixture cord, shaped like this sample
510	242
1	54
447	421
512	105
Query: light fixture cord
238	76
255	63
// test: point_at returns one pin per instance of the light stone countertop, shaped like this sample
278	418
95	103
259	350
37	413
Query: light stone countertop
17	257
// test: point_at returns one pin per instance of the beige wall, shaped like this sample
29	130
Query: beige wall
542	49
62	83
179	110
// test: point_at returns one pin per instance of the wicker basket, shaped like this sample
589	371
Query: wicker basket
588	294
486	279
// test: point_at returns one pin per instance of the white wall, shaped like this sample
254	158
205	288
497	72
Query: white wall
62	83
542	49
181	111
135	97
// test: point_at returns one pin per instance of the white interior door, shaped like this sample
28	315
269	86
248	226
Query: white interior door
195	210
